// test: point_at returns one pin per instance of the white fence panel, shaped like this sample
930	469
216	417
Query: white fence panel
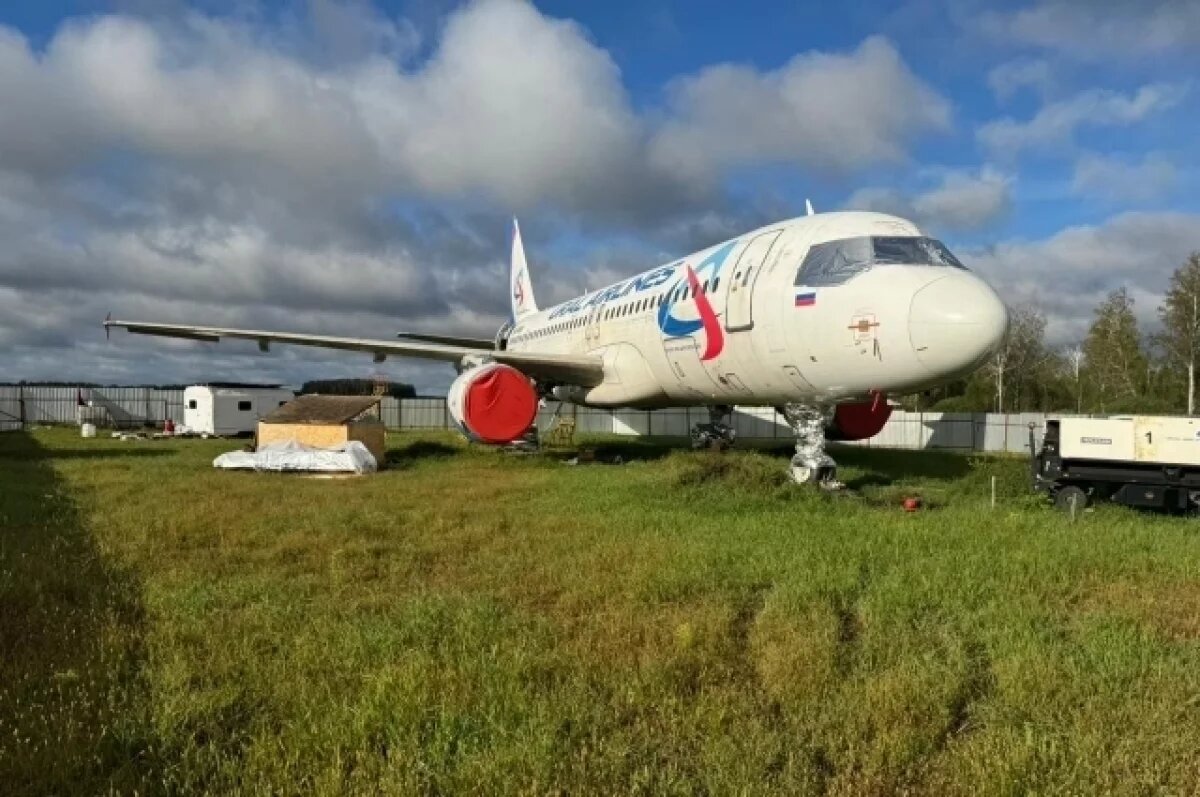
424	413
1017	430
594	421
955	430
669	423
634	422
903	430
10	409
389	412
759	423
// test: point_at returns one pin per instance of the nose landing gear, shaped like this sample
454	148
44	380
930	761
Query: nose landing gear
810	465
717	433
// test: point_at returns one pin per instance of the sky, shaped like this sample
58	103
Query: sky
349	167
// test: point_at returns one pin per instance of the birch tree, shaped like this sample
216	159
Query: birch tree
1114	363
1180	314
1019	363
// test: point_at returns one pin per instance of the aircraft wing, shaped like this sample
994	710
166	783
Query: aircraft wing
573	369
450	340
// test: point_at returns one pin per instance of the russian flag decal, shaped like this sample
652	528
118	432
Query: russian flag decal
806	299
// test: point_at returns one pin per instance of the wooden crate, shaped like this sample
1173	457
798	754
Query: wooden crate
368	432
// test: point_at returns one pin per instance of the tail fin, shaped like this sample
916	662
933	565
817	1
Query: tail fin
523	303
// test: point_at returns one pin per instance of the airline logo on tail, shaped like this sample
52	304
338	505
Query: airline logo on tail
523	302
518	291
703	275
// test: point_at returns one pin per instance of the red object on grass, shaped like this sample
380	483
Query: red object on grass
912	504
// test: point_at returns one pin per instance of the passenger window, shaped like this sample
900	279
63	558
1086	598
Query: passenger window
244	406
192	404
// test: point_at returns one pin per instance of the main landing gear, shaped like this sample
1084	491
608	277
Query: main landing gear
810	465
717	434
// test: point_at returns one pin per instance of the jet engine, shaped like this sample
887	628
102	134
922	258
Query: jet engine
858	420
493	403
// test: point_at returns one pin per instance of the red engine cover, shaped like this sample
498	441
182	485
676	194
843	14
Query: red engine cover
859	420
499	404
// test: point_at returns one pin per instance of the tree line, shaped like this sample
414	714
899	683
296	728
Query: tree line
1116	368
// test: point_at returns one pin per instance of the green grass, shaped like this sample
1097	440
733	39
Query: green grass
477	622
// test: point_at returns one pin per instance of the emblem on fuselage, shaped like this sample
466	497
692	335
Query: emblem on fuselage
698	280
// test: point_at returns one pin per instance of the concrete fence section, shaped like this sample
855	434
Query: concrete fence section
125	407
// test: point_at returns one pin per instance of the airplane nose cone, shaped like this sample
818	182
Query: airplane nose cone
955	323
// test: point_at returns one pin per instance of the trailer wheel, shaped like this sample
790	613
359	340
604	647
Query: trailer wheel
1069	496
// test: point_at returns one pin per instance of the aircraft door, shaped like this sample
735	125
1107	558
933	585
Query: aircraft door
739	293
591	327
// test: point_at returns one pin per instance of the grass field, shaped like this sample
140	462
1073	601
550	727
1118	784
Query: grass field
475	622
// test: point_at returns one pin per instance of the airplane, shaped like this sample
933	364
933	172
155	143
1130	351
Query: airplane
822	316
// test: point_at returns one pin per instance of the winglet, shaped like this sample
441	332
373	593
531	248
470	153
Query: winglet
809	208
520	287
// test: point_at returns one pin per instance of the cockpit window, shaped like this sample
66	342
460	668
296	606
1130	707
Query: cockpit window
913	251
835	262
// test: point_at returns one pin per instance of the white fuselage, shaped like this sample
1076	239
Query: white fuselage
772	325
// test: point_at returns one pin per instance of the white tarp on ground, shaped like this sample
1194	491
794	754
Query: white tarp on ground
288	455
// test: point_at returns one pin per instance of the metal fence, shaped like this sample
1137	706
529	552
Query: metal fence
120	407
141	406
911	430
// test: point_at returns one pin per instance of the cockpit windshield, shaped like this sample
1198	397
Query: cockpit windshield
835	262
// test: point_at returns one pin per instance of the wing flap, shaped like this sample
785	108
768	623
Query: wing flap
572	369
172	333
450	340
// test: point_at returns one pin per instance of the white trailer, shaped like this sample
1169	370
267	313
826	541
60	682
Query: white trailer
229	411
1141	460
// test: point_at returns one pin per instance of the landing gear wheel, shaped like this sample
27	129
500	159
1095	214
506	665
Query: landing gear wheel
716	435
1069	496
825	477
810	465
802	474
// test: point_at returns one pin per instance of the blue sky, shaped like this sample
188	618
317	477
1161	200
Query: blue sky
347	166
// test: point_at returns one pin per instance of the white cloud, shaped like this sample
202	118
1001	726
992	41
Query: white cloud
518	106
321	176
1056	123
512	102
1100	31
962	200
1008	78
822	110
1068	274
1123	180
